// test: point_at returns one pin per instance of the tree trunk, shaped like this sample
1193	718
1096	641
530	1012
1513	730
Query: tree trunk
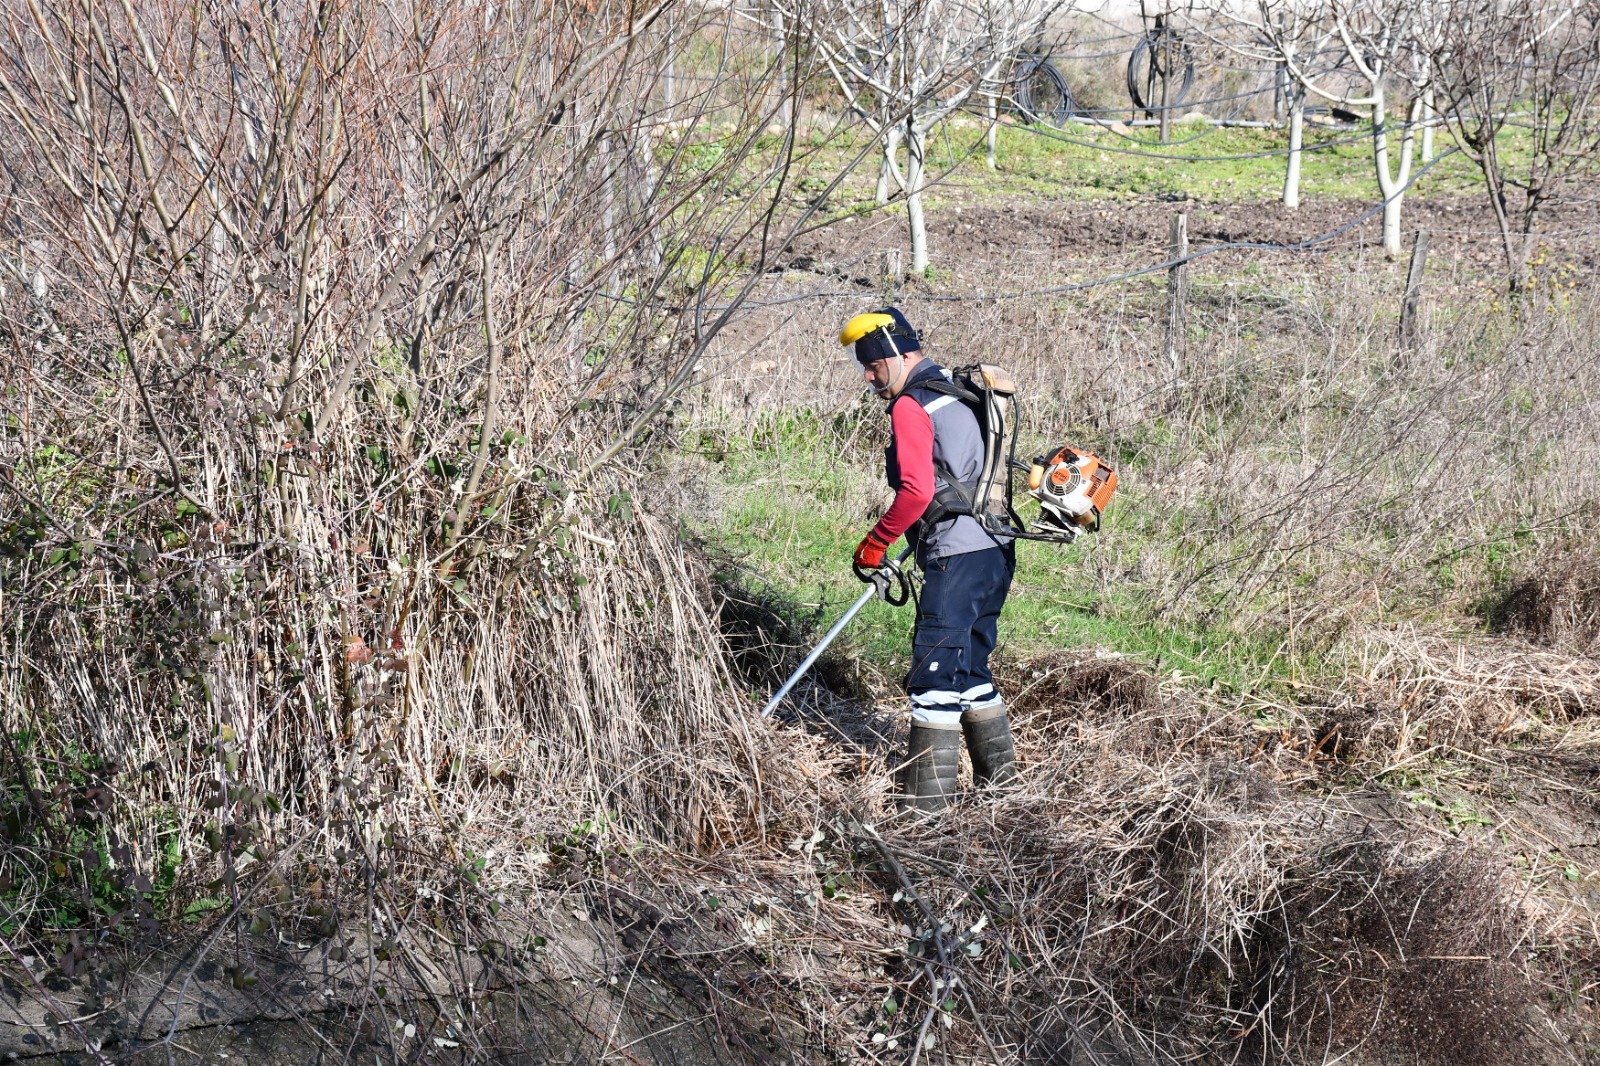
785	117
669	77
1297	136
1521	275
1166	111
608	216
1427	126
890	171
1392	185
1391	225
994	119
916	150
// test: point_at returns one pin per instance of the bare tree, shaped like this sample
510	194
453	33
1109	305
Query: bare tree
1291	37
903	68
1384	44
1525	71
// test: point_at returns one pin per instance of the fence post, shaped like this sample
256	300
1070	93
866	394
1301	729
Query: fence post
1409	330
1177	298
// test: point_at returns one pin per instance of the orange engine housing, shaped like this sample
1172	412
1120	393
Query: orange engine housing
1076	476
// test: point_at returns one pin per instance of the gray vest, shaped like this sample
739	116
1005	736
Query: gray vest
957	447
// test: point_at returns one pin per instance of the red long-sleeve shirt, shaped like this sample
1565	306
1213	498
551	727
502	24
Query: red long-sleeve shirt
913	446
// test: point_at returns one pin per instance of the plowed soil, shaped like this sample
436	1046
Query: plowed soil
974	238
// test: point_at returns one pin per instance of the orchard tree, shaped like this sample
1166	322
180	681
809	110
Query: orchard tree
1291	36
1528	68
1386	46
905	67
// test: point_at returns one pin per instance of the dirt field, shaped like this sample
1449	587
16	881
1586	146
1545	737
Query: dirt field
970	234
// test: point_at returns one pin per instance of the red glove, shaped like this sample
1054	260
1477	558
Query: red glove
869	553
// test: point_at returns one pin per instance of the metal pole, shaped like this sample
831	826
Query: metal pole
816	653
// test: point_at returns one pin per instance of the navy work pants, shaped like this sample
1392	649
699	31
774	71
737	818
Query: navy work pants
958	618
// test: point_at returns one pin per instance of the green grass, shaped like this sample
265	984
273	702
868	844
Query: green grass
796	495
1088	162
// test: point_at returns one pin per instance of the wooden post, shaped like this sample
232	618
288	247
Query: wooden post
1409	330
1177	298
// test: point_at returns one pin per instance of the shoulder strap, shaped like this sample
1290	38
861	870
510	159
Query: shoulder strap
945	388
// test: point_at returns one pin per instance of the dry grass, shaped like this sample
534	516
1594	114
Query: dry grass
1558	602
1161	887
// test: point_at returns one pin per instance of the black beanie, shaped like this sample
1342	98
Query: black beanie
876	345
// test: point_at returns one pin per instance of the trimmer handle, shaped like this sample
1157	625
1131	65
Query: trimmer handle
894	587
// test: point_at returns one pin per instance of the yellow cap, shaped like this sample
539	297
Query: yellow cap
861	325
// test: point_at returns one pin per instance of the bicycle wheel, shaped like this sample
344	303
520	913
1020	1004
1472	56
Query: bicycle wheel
1160	52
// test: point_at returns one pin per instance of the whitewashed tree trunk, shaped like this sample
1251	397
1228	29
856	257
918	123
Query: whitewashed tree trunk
1392	184
994	120
669	77
785	117
890	171
1297	132
608	217
916	151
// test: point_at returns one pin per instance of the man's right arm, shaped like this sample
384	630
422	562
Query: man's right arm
913	446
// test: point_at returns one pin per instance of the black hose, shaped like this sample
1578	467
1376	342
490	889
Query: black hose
1171	43
1042	94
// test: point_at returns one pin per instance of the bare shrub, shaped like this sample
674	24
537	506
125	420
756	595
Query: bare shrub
321	332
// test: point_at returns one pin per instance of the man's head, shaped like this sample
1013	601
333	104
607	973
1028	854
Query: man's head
886	347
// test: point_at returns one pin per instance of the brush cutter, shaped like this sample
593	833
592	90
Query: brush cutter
884	582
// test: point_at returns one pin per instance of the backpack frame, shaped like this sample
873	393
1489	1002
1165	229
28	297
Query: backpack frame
989	393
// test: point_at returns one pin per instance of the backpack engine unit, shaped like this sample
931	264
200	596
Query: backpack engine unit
1072	487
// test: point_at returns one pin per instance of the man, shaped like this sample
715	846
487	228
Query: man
934	442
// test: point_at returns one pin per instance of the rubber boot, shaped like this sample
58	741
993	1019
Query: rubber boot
994	757
933	760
